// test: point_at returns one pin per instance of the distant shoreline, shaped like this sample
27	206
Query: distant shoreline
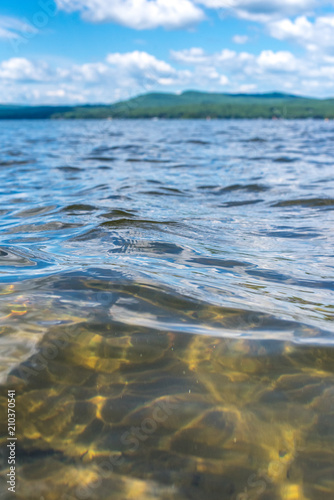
188	105
55	120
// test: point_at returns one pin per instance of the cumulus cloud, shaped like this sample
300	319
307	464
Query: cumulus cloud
315	35
119	76
268	70
147	14
281	61
268	60
123	75
144	70
197	56
142	62
137	14
21	69
259	10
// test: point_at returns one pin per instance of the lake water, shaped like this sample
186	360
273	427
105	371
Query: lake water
167	309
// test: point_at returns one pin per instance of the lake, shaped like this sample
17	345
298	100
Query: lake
167	309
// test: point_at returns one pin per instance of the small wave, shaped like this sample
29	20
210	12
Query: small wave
284	159
226	264
37	228
164	192
79	207
33	212
256	139
198	142
146	160
100	158
271	275
69	169
182	165
306	202
145	247
291	234
209	187
118	213
126	222
251	188
14	258
10	163
150	307
11	257
239	203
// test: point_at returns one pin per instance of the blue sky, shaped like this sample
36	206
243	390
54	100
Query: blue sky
90	51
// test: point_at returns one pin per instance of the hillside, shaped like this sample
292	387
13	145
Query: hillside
189	104
193	104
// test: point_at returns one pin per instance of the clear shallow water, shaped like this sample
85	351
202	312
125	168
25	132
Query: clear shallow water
167	308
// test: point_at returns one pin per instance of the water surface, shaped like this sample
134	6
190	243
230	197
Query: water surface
167	309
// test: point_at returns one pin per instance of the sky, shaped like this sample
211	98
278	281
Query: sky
102	51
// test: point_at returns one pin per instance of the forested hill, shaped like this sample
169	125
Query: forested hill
190	104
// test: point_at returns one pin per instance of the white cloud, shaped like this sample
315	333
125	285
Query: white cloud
121	76
262	11
139	61
223	80
144	14
137	14
145	70
312	35
170	14
173	14
89	72
268	71
281	61
267	60
197	56
240	39
21	69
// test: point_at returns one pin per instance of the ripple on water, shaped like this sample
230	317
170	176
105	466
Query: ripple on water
13	258
304	202
167	308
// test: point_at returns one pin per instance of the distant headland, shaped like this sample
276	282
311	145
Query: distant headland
187	105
